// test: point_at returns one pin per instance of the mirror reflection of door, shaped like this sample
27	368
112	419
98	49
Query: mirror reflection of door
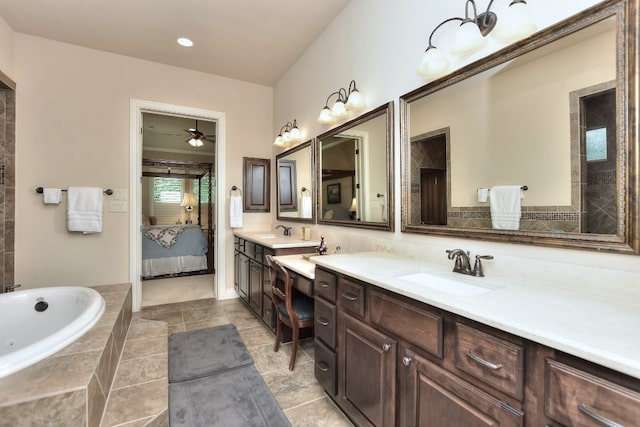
339	166
599	158
429	178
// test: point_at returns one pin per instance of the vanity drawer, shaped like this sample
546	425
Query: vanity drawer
303	285
350	297
325	368
325	322
265	251
575	397
492	360
268	311
412	324
250	249
325	285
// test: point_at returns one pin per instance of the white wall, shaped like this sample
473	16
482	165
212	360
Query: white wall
73	129
6	49
379	44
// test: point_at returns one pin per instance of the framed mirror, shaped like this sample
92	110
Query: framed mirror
295	185
552	118
355	172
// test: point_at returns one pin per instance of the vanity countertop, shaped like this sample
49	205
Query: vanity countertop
299	264
603	331
275	239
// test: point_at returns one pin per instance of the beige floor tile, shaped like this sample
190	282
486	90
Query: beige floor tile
266	360
202	313
294	388
173	329
134	403
134	349
141	370
209	323
253	337
318	413
172	318
144	328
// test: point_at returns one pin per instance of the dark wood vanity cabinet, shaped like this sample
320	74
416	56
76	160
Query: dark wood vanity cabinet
388	360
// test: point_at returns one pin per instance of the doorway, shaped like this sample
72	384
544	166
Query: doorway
429	178
139	109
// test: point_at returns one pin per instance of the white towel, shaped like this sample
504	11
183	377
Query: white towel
235	212
305	203
483	194
52	196
504	201
84	209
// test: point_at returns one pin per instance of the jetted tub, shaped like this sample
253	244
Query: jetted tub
38	322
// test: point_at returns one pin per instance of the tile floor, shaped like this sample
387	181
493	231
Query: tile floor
140	394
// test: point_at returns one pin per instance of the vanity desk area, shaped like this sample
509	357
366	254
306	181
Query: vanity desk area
251	273
477	350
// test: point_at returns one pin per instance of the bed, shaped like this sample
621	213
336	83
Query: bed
173	249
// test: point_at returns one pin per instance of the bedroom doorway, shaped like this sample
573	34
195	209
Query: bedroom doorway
175	165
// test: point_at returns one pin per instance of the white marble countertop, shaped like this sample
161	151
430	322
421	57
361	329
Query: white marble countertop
275	239
299	264
606	332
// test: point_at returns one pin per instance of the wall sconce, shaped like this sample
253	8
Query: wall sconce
353	209
513	25
188	202
349	101
289	134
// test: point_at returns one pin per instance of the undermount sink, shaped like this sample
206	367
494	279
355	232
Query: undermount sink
266	236
444	284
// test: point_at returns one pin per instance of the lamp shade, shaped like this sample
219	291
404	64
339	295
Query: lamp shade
514	24
188	200
434	64
295	135
468	39
325	116
354	205
278	142
196	142
338	110
355	102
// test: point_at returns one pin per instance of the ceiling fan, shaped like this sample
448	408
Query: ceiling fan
197	138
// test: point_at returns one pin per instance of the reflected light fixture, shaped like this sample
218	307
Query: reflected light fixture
188	202
289	134
471	34
353	208
183	41
349	101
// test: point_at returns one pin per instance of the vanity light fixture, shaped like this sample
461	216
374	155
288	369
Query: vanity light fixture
470	36
289	134
349	101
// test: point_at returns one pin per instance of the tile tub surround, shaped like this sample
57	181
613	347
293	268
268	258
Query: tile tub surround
72	385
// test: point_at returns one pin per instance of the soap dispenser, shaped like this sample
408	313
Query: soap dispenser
322	249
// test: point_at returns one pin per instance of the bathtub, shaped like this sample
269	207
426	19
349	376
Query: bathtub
38	322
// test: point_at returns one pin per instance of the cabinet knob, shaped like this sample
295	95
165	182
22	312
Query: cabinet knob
386	347
406	361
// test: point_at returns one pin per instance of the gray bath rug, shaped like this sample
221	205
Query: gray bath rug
196	354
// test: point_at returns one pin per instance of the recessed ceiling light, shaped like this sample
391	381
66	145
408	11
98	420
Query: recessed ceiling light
183	41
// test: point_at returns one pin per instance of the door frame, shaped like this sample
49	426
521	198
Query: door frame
139	106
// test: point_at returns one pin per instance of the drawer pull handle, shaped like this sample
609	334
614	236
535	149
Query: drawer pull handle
323	366
602	420
323	321
406	361
483	362
350	297
386	347
323	285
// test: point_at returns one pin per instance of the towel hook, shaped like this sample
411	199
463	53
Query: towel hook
234	188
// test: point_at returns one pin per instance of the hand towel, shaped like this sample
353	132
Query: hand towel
483	194
235	212
52	196
504	202
84	209
305	203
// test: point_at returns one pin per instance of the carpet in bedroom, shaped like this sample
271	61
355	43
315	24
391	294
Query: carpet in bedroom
177	289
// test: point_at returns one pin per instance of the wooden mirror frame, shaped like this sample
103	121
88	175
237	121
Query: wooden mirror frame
387	225
282	157
627	240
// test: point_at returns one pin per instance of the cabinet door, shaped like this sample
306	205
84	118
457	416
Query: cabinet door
255	286
367	376
243	276
433	397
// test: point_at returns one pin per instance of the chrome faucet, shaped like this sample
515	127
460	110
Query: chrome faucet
286	230
462	262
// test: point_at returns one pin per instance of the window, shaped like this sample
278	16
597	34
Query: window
596	141
167	190
204	196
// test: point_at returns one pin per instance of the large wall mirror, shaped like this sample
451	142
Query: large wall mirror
295	184
355	172
553	116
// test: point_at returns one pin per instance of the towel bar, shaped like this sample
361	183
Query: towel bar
305	189
523	188
234	188
108	191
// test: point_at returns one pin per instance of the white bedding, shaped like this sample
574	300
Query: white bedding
173	265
